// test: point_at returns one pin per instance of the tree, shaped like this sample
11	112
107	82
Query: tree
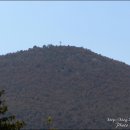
8	122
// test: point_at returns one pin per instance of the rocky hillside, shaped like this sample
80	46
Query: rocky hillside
75	86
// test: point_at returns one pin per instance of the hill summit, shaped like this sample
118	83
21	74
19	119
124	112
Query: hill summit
78	88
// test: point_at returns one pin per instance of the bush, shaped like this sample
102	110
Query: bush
8	123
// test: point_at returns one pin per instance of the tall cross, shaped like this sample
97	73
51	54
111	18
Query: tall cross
60	43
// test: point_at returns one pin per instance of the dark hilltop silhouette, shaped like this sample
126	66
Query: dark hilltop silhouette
76	87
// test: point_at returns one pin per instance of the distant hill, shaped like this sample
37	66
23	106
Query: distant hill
75	86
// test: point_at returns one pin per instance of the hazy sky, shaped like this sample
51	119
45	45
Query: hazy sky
102	26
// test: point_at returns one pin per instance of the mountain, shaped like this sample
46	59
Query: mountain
78	88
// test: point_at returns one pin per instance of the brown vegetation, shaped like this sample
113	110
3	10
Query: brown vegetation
76	87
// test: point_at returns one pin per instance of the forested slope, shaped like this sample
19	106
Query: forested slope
75	86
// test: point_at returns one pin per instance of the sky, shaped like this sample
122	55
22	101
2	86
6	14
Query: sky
101	26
